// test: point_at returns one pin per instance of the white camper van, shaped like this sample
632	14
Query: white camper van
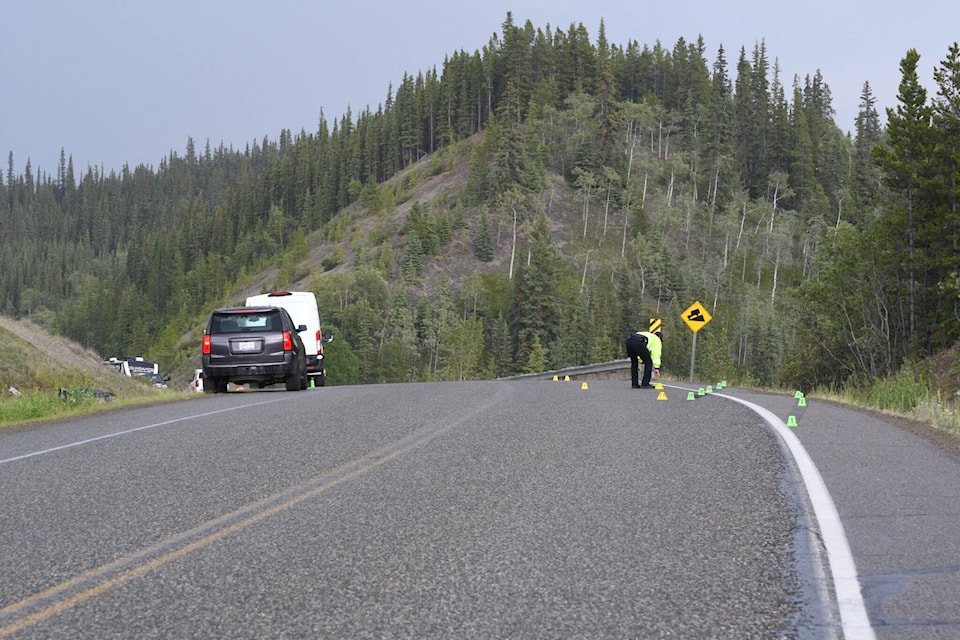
134	366
302	307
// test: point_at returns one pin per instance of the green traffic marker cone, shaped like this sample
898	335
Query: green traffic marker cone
802	402
792	421
690	395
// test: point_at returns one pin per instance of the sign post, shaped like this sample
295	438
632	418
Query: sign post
696	318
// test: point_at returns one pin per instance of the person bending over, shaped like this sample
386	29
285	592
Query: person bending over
646	347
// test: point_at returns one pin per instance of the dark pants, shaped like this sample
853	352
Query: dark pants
637	349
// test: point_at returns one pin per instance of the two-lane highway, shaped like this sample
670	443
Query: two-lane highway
510	509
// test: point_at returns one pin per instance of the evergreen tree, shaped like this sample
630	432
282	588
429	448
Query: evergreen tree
946	182
499	347
537	308
482	240
536	359
865	176
904	160
753	117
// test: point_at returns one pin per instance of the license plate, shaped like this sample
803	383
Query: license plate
248	345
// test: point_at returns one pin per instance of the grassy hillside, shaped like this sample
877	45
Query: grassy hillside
524	210
37	365
926	392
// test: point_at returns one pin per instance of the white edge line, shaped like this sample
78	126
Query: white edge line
853	612
70	445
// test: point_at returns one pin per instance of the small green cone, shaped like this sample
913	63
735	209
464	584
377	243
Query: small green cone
690	396
709	389
802	402
700	391
798	394
792	421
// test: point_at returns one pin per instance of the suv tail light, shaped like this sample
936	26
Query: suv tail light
206	345
287	341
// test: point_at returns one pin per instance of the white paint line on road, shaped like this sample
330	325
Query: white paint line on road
106	436
93	583
853	612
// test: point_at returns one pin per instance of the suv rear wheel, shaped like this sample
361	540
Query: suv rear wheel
215	385
293	382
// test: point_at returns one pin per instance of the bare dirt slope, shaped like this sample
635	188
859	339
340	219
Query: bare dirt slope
58	358
69	353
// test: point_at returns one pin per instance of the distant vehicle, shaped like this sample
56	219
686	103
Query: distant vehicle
196	384
158	380
302	307
134	366
253	345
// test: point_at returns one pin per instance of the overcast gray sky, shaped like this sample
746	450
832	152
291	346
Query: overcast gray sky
127	81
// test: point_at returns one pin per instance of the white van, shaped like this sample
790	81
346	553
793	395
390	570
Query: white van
302	307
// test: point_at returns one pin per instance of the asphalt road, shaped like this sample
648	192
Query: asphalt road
898	496
509	509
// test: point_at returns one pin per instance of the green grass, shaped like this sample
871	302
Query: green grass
38	379
33	406
36	406
903	395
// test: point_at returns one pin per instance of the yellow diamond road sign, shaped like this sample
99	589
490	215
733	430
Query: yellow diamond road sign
696	317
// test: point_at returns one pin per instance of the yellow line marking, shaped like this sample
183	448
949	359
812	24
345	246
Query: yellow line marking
54	600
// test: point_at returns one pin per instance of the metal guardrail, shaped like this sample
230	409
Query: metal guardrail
602	371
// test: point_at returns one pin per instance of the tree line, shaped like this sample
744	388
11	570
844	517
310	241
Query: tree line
824	258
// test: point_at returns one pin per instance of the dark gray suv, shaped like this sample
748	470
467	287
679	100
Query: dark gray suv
253	345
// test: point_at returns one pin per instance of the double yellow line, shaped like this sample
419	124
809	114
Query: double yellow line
48	603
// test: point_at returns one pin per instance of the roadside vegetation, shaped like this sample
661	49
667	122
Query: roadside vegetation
928	393
528	205
38	405
44	389
62	379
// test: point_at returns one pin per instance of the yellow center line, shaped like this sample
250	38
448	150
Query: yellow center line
55	600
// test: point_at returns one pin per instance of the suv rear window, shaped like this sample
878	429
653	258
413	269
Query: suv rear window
246	322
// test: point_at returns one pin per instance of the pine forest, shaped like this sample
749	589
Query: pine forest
579	188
